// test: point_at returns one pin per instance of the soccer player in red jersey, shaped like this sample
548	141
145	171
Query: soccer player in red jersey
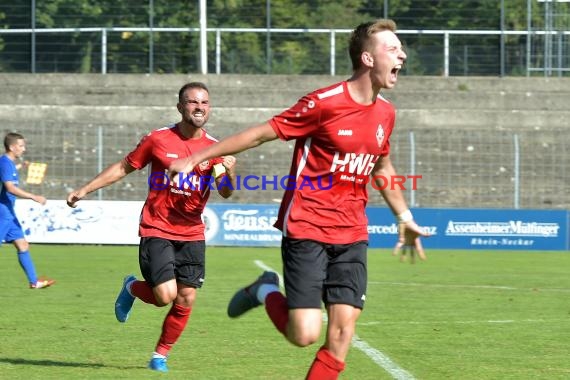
172	245
342	135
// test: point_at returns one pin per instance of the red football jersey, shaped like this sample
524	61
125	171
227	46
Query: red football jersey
173	209
338	141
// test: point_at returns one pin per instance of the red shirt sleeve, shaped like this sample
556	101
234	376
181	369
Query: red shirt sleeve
142	154
299	121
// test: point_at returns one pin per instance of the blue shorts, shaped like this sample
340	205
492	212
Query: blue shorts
10	230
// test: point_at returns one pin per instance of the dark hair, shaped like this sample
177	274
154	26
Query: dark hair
11	139
360	37
191	85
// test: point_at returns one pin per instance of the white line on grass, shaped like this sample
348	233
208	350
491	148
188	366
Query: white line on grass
382	360
468	286
377	357
262	265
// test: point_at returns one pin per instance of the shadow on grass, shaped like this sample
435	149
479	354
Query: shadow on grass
54	363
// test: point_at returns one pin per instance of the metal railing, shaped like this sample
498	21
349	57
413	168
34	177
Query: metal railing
562	57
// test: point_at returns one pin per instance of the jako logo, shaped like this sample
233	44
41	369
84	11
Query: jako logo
345	132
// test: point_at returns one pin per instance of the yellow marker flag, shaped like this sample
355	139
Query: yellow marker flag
36	172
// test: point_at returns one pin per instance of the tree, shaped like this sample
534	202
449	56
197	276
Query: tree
248	52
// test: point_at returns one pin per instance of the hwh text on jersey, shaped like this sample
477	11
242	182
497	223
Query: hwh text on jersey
353	163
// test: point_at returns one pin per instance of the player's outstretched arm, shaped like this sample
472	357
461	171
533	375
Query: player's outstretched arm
409	232
246	139
110	175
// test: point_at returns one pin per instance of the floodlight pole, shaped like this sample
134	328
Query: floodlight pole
33	42
151	36
203	39
268	35
528	35
502	38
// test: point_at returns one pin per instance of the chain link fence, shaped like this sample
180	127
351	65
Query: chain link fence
459	168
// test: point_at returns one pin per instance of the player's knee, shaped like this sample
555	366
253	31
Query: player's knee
161	302
186	300
304	327
341	334
303	338
164	298
22	245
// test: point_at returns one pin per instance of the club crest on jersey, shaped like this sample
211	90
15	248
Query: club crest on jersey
204	165
380	135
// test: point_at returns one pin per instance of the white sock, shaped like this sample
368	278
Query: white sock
128	286
264	290
157	355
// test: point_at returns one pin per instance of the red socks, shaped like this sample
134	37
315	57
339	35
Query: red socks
325	366
172	328
174	323
143	291
277	310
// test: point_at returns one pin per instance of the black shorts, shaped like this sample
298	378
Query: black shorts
331	273
162	260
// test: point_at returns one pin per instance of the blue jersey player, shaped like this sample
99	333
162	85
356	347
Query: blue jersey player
10	228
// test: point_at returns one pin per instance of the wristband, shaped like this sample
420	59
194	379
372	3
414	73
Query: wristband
405	217
219	169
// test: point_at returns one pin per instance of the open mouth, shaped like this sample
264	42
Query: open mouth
394	72
396	69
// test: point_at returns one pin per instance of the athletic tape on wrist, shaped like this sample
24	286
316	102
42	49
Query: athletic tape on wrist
405	217
219	169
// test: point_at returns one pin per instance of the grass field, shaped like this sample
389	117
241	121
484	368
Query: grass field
460	315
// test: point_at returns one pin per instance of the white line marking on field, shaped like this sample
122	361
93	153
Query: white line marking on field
468	286
382	360
262	265
377	357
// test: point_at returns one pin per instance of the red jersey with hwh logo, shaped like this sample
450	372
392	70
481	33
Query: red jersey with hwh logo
173	209
338	141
